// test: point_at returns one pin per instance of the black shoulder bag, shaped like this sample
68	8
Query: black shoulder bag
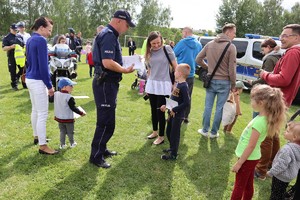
171	68
207	78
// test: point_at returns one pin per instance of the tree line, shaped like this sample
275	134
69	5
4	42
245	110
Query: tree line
250	16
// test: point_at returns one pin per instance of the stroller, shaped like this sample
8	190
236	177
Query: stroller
140	81
289	195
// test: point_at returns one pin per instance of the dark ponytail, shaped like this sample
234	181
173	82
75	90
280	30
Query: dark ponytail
41	21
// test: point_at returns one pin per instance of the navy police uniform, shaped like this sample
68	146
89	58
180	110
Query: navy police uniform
9	40
105	88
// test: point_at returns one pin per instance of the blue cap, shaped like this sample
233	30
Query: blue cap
65	82
123	14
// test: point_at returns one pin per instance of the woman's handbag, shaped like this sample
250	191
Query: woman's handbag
207	78
171	68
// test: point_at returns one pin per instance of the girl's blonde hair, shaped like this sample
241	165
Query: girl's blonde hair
152	36
274	106
295	128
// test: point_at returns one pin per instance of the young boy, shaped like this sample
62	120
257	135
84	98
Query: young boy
235	97
286	163
180	94
64	106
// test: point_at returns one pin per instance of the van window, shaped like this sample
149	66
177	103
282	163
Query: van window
241	47
256	52
204	41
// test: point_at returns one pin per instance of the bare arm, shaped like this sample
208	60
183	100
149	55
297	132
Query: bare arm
247	152
174	64
7	48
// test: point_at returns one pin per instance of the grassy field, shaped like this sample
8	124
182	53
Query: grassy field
202	170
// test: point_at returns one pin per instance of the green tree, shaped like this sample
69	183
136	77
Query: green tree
247	17
272	18
7	17
101	11
152	16
227	13
292	17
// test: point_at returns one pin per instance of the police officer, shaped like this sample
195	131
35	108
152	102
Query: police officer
8	44
107	56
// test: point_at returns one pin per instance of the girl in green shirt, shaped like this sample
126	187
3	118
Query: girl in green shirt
269	102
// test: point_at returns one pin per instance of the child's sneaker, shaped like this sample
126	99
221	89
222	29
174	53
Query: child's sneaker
205	134
168	157
259	176
167	150
62	146
73	145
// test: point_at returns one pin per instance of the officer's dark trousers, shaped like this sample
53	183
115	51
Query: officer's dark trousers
105	95
12	68
173	133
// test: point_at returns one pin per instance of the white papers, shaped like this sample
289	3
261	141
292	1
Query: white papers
81	97
135	59
76	116
170	104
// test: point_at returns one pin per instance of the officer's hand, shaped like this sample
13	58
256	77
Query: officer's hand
13	46
129	69
51	92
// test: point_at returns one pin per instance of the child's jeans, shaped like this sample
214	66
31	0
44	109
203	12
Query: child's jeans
173	133
278	189
243	186
66	129
91	70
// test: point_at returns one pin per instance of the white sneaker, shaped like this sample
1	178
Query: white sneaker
62	146
73	145
214	135
205	134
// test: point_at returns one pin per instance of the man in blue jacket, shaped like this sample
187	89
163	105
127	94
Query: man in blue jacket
186	51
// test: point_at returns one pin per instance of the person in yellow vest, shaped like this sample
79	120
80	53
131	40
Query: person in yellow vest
20	62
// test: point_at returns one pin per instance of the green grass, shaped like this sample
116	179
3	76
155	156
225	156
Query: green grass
202	170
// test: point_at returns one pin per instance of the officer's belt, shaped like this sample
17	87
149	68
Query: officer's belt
109	79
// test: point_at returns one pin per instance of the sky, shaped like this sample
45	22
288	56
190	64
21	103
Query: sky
200	14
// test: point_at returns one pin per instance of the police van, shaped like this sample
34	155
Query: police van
249	57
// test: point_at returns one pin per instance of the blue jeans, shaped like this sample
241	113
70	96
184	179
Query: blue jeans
219	88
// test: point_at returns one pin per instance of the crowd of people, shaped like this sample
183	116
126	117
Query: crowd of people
169	87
